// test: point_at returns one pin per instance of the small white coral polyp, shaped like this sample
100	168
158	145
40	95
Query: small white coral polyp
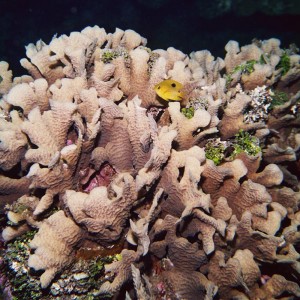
90	155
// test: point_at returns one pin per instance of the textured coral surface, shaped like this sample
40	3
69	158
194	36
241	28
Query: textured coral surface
197	199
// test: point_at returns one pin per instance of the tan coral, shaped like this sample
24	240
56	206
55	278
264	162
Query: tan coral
270	176
283	111
276	154
262	245
242	271
184	198
204	67
95	32
215	178
142	285
39	65
74	52
190	131
104	82
182	190
286	197
205	230
57	177
233	119
185	256
250	270
248	196
172	55
54	124
122	271
180	73
22	210
269	225
20	214
290	81
89	103
114	145
262	74
189	285
222	210
128	39
68	90
133	140
54	246
109	225
259	77
10	233
291	233
13	143
6	77
289	256
277	286
271	46
11	189
30	95
236	55
226	275
140	228
137	80
140	132
65	55
219	224
159	155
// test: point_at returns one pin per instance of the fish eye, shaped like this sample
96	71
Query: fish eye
158	87
173	84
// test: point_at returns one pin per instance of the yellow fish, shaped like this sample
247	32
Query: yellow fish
169	90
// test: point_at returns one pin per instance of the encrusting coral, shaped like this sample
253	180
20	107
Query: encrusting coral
197	199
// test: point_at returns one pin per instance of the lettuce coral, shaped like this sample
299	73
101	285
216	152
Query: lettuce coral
97	163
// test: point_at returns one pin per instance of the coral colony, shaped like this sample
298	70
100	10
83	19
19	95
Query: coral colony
107	190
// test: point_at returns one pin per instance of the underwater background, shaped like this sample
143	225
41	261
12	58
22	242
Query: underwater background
188	25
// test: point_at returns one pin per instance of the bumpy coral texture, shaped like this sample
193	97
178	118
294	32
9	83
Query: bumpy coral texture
90	155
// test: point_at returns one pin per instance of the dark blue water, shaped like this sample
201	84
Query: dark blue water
187	25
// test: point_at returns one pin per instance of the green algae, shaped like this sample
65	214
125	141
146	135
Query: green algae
284	63
23	285
188	112
278	98
214	152
244	142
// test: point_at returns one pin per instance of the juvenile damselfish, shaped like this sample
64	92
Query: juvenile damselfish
169	90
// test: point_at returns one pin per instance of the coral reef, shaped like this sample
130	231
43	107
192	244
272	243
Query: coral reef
107	190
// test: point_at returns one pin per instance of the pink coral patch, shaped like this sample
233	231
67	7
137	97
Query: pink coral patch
102	177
